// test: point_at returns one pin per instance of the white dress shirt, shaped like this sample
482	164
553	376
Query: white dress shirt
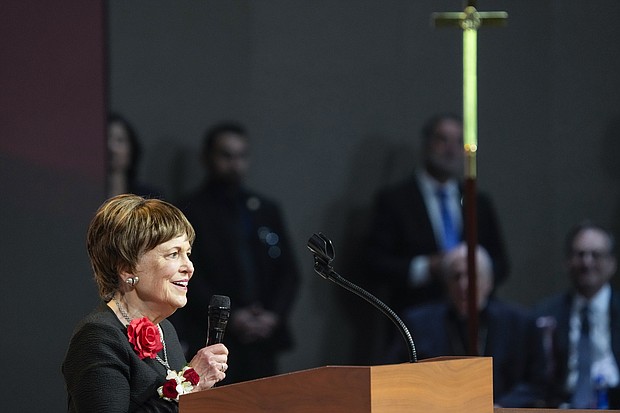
603	362
419	267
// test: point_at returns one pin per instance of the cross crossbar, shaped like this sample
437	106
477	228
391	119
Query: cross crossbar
469	19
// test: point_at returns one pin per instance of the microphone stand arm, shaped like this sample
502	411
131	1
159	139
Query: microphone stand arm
323	251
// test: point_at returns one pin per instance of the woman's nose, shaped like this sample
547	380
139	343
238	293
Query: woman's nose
189	266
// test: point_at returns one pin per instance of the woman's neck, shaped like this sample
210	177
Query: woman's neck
128	308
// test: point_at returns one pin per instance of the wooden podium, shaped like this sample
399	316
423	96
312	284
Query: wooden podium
444	384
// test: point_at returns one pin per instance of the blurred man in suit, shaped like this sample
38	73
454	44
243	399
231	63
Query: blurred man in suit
242	250
581	326
420	219
505	330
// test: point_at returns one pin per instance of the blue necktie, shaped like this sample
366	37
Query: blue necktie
450	235
582	395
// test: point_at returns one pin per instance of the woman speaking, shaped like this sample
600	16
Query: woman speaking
125	356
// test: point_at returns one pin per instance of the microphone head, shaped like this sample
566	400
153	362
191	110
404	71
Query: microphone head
220	301
219	312
323	251
322	247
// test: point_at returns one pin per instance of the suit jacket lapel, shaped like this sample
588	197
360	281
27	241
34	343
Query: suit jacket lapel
419	210
561	336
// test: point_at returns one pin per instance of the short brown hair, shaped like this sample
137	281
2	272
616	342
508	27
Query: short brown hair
123	229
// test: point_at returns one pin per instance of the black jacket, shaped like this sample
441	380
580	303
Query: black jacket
401	229
103	373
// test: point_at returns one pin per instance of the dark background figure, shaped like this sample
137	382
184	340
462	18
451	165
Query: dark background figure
581	326
124	155
242	250
413	225
506	330
548	134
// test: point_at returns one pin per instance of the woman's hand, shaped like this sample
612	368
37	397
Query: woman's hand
211	364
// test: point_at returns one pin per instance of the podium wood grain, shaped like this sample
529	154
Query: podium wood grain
445	384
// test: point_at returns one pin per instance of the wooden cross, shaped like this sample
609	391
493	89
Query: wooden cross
470	20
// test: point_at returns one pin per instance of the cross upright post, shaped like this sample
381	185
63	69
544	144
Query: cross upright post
470	20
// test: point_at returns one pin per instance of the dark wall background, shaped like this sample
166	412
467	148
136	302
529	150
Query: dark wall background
334	94
51	182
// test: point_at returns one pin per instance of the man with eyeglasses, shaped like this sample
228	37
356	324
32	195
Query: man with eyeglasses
581	327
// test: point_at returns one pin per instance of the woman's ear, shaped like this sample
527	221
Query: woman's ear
124	274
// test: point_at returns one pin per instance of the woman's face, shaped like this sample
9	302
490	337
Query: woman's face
119	147
164	274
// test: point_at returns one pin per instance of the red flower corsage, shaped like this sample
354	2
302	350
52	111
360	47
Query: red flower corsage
179	383
145	337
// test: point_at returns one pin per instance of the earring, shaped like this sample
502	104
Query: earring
132	281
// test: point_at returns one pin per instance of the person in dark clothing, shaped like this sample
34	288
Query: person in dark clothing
242	250
581	326
417	221
506	331
123	160
125	356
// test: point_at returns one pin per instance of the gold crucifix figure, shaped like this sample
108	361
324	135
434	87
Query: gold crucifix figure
470	20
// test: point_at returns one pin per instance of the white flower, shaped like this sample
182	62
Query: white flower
182	385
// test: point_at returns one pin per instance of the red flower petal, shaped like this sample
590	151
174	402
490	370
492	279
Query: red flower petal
191	376
144	336
169	389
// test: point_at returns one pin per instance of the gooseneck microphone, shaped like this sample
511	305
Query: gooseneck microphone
219	311
323	251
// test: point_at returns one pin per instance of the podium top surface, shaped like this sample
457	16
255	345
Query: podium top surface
446	385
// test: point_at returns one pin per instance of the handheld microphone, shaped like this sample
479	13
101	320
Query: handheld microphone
219	311
323	251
